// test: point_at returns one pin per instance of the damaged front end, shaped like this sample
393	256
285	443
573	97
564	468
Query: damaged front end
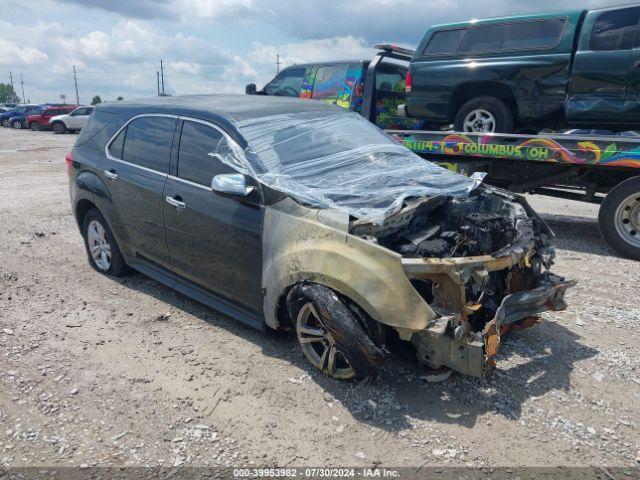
481	263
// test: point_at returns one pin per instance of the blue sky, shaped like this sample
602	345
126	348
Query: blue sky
209	46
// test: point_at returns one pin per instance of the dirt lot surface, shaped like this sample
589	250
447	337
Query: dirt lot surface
99	371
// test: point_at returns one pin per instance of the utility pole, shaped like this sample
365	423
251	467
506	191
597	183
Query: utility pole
22	84
277	63
13	89
162	76
75	81
158	79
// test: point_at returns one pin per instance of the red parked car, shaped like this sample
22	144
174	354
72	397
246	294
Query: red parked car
40	121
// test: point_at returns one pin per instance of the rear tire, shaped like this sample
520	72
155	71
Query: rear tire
58	127
619	218
102	249
5	123
484	115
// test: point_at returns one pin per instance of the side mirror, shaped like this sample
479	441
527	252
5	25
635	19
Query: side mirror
250	89
231	184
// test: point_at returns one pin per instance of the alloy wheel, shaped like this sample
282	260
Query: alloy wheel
99	245
319	346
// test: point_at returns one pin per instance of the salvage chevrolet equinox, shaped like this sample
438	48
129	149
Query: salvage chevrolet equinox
299	215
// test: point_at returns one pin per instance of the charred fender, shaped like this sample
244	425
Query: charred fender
300	247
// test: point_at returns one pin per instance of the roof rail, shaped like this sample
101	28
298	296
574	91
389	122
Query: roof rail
390	48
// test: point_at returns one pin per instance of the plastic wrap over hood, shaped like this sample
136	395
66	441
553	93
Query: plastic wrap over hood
339	160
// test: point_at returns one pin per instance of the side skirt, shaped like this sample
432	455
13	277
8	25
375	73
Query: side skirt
197	293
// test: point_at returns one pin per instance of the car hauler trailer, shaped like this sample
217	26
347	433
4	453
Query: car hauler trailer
590	168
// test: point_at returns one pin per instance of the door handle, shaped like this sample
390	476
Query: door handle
176	202
111	174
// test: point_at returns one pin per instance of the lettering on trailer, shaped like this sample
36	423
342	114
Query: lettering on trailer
621	154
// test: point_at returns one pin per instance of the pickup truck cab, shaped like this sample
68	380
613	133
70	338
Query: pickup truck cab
529	72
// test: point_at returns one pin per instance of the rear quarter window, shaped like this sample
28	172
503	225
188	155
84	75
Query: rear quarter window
99	128
445	41
513	36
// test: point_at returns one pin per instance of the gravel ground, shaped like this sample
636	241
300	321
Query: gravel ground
96	371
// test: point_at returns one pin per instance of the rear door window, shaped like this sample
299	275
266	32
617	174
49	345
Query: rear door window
195	160
445	41
615	30
147	142
287	83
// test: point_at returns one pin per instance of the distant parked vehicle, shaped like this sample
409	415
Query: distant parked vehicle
71	122
19	119
41	120
577	68
18	111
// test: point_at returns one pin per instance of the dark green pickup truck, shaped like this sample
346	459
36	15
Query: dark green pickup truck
578	68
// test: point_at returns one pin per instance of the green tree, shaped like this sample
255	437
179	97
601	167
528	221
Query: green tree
120	98
7	94
96	100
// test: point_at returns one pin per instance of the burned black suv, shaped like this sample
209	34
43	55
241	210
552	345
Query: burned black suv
299	215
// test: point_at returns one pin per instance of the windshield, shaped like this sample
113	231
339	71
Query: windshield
340	161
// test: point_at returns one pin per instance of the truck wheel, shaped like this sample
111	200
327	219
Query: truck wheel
17	124
34	126
619	218
329	334
484	115
58	127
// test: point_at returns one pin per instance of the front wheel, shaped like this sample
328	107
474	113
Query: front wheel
329	334
619	218
34	126
484	115
17	124
102	248
58	127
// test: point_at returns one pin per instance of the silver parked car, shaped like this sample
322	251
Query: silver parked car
71	122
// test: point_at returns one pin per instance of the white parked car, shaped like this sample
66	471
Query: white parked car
71	122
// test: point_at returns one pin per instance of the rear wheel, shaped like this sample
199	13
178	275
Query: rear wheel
102	248
58	127
619	218
34	126
484	115
5	123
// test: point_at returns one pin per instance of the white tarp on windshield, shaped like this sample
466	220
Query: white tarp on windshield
340	161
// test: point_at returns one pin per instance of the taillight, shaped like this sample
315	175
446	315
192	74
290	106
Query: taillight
69	160
407	83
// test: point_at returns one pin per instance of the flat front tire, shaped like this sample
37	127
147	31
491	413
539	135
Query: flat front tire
329	335
619	218
102	248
